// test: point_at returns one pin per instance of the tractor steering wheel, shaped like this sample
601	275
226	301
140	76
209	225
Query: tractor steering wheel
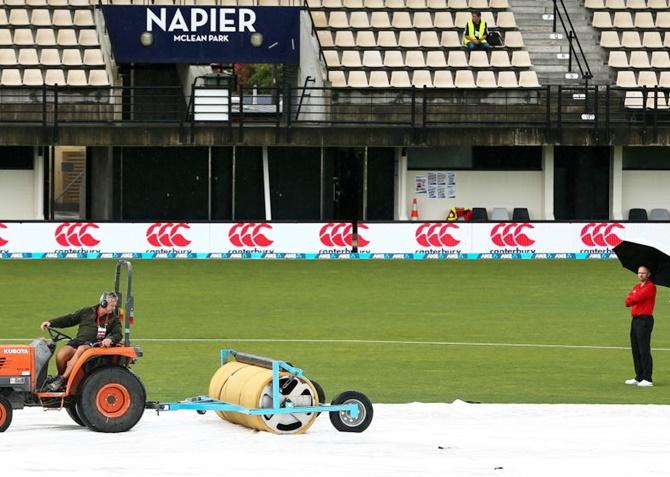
56	335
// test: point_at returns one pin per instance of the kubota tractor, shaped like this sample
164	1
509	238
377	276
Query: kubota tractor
102	393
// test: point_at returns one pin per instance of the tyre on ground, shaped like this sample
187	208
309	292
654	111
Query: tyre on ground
71	410
111	399
6	413
344	421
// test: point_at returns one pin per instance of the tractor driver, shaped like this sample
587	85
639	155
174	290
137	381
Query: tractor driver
98	325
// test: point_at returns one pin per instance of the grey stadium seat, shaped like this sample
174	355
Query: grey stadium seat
499	214
659	214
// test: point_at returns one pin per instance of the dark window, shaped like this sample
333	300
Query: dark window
16	157
514	158
484	158
450	157
646	158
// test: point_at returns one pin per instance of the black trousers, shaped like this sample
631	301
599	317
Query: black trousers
640	343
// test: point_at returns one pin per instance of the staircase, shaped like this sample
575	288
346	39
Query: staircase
550	54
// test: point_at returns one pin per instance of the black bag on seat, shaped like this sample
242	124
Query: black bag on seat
494	39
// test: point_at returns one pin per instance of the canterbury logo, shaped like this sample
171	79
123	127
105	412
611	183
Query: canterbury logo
249	235
436	235
511	235
76	234
340	235
167	234
3	242
601	235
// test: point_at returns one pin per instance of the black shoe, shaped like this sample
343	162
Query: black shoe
56	384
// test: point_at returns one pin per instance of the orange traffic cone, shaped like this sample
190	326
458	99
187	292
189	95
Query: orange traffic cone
415	211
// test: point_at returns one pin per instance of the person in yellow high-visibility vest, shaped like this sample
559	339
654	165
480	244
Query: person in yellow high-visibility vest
475	33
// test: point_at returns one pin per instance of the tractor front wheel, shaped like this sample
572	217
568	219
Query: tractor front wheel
72	412
111	400
5	414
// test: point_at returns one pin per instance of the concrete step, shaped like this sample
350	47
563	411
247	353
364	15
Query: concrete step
590	57
579	31
544	49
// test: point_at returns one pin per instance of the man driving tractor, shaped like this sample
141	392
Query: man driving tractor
98	326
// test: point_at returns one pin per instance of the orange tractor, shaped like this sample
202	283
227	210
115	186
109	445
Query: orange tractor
102	393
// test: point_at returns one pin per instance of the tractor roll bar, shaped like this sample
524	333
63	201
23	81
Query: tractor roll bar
130	300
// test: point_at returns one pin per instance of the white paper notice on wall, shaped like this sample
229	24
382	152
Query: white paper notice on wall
436	185
420	185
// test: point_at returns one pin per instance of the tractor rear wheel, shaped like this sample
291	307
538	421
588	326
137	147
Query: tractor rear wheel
111	400
5	414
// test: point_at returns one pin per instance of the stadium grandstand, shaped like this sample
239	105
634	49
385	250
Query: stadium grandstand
133	110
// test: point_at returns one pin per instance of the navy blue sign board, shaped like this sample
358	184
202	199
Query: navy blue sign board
204	35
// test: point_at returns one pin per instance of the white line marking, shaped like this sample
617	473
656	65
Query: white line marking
385	342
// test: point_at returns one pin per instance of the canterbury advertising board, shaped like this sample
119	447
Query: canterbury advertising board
505	238
203	35
169	238
322	240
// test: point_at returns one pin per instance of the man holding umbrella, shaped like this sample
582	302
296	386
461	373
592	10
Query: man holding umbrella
649	263
641	301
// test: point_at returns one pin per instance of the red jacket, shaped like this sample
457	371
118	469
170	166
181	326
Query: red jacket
642	299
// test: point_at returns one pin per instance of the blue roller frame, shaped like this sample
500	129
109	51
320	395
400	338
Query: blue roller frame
206	403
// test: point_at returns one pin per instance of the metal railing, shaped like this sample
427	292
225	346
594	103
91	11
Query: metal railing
561	12
552	108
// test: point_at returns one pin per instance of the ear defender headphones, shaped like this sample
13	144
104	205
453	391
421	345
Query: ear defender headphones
105	297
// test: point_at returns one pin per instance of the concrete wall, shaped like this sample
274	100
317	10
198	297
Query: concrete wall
645	190
484	189
310	57
312	108
17	195
22	191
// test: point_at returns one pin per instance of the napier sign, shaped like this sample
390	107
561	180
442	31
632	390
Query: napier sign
203	35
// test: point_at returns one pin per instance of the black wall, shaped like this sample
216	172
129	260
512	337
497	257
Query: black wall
164	183
581	183
295	182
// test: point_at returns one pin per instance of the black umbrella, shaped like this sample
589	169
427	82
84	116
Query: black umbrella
633	255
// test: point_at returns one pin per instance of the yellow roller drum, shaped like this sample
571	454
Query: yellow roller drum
249	398
251	387
219	379
235	387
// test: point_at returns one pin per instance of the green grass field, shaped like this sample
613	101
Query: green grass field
515	302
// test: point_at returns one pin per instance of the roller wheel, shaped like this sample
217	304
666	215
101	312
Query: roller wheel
343	421
72	412
321	394
5	414
111	400
298	392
